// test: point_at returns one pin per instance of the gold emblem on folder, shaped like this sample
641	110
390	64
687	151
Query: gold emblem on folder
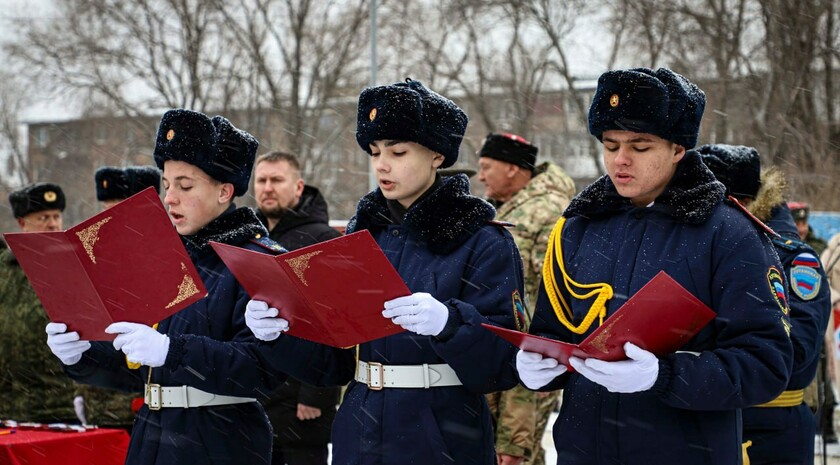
186	289
89	236
600	341
300	264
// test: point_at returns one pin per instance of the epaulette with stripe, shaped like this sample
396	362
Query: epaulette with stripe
268	244
789	244
501	224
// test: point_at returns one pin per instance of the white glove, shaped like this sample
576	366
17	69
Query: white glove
419	313
536	371
635	375
68	347
263	321
79	408
141	344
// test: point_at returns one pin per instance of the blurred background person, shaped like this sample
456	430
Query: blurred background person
296	216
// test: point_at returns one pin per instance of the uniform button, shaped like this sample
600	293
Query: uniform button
395	232
638	215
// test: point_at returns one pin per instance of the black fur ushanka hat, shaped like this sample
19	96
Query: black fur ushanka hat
661	102
214	145
408	111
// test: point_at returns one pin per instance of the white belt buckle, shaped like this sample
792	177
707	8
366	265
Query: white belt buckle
375	384
152	396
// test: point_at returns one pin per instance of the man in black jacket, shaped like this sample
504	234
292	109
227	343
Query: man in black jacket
296	216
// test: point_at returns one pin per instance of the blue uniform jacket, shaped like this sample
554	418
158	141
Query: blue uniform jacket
786	434
810	297
446	247
743	357
211	349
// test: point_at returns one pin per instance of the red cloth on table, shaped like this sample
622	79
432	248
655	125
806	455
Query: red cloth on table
38	447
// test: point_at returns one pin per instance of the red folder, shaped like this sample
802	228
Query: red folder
126	263
661	317
332	292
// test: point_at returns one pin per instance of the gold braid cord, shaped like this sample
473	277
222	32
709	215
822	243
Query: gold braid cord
555	296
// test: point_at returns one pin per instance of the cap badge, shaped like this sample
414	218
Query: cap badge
372	114
170	134
50	196
614	100
104	183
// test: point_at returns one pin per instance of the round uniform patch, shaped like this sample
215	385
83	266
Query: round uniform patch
777	288
805	282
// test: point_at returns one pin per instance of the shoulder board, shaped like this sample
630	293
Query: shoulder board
501	224
791	245
752	217
268	244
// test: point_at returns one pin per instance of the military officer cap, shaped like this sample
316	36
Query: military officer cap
799	210
35	198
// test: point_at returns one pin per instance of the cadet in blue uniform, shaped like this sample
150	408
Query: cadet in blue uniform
658	208
780	431
202	368
418	395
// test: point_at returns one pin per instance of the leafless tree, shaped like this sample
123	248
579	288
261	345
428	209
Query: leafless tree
13	100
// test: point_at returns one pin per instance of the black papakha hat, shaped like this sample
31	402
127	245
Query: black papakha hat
115	183
509	148
37	197
738	167
408	111
661	102
214	145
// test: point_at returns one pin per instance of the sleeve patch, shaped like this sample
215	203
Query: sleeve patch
777	288
805	281
519	311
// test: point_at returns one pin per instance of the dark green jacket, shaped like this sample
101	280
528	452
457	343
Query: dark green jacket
33	386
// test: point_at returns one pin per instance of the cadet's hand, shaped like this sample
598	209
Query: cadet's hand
68	347
536	371
141	344
263	321
634	375
504	459
419	313
305	412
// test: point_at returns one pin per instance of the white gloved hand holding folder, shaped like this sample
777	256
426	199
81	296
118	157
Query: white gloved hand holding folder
68	347
141	344
636	374
535	371
263	321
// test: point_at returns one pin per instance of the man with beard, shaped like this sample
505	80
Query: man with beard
296	216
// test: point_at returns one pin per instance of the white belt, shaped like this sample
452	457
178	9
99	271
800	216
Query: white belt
157	397
377	376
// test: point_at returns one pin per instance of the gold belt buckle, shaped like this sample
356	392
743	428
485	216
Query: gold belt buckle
370	382
152	396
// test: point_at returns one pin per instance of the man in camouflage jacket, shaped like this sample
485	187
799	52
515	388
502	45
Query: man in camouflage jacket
32	383
532	198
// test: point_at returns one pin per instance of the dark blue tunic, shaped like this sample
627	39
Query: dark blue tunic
743	357
786	434
211	349
444	246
